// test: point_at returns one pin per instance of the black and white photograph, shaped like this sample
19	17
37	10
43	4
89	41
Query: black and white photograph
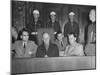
52	37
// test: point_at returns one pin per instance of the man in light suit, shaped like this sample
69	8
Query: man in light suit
24	47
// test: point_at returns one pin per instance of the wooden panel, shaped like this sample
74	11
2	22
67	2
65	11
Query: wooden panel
31	65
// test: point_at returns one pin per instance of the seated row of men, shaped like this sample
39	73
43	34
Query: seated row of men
60	47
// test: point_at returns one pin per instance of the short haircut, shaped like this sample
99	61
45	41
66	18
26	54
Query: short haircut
74	34
24	30
57	34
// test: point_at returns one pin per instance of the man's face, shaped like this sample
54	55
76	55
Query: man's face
53	18
36	16
25	36
72	39
92	15
60	36
71	17
46	38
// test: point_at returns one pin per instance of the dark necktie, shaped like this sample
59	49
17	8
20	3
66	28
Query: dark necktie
61	43
24	45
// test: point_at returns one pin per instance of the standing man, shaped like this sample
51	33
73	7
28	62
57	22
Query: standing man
36	24
53	23
71	26
92	27
47	49
25	47
90	48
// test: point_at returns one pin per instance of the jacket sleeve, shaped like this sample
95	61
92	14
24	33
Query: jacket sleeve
80	51
65	30
77	29
34	48
56	51
58	27
39	52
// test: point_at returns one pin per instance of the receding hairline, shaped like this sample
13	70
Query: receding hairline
46	34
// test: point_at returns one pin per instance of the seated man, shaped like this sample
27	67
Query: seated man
47	49
74	48
24	47
61	42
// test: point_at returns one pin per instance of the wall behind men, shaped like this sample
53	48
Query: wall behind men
22	14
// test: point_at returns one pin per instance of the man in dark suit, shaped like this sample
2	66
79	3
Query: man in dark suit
71	26
53	23
47	49
34	26
24	47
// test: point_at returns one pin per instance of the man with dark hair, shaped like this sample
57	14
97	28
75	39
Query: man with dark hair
74	48
61	42
47	49
24	47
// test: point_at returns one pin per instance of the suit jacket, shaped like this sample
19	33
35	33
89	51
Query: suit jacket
52	51
56	26
28	51
76	50
92	33
68	28
62	45
33	28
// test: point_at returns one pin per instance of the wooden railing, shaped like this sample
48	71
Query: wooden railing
33	65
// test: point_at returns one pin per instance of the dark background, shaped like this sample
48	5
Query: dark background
22	14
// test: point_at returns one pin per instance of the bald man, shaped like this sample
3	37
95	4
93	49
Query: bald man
47	49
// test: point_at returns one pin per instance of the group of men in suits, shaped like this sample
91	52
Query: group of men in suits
28	45
27	48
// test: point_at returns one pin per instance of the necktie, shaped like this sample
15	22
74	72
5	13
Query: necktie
61	43
24	45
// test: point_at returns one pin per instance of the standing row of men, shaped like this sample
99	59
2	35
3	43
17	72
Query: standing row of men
71	26
60	47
